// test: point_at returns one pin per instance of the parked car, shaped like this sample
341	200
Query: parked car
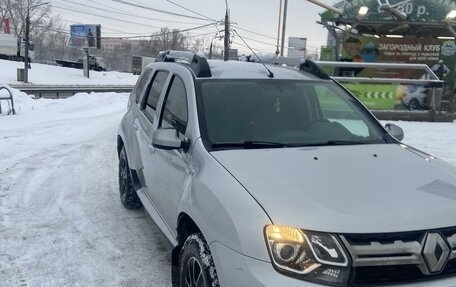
277	176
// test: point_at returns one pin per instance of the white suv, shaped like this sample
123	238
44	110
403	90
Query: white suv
276	176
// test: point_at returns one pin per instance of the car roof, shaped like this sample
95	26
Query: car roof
250	70
203	68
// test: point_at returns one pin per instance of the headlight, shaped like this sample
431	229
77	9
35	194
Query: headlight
311	256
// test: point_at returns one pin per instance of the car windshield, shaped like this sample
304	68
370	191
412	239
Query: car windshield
257	113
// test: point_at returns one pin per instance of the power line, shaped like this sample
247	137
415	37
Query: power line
104	28
131	22
171	32
106	17
245	46
189	10
158	10
199	35
142	36
256	33
127	14
259	34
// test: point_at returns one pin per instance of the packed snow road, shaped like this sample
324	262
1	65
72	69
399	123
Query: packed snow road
61	221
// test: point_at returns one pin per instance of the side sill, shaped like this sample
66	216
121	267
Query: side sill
156	216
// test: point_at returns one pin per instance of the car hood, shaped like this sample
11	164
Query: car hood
348	189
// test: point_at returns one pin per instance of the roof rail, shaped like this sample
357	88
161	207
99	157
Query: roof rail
312	67
200	67
308	66
197	62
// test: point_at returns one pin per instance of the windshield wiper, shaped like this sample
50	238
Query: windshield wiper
249	145
343	142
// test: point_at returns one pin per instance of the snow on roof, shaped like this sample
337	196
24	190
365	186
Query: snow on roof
243	70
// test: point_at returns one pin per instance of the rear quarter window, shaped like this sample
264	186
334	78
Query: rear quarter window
141	84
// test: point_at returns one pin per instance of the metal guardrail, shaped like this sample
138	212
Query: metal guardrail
55	92
430	79
9	99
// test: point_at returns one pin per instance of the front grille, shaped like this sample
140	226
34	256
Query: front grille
377	275
406	257
385	274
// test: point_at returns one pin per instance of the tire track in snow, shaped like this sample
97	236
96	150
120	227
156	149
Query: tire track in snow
63	224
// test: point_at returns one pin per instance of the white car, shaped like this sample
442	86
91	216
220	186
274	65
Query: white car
275	176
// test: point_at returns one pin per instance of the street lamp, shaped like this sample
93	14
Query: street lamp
363	11
226	55
27	38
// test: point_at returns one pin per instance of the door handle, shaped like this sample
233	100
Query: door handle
135	127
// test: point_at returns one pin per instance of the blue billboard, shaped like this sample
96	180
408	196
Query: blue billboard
85	36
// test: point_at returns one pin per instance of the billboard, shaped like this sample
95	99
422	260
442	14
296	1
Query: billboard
415	10
85	36
438	54
429	51
297	47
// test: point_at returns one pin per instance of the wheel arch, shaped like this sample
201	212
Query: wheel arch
185	227
120	145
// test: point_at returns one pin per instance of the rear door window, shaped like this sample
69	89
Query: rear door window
154	94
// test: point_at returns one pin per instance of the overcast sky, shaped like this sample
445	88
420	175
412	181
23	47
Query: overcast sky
259	17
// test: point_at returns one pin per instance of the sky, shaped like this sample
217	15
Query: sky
255	20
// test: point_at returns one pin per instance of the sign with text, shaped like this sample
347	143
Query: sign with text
85	36
430	51
297	47
415	10
438	54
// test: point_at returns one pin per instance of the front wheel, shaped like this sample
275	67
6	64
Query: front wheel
197	267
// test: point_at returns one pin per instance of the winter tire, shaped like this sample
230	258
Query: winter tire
128	195
196	266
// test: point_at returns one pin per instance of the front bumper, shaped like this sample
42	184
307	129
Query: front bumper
235	269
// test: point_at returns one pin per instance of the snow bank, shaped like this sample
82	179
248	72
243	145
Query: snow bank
35	111
41	74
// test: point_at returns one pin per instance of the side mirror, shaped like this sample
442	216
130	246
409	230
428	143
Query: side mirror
395	131
167	139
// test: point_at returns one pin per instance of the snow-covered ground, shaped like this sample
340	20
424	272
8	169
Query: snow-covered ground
61	221
41	74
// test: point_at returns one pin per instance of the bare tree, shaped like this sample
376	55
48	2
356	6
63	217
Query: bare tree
200	45
168	39
52	42
3	13
17	11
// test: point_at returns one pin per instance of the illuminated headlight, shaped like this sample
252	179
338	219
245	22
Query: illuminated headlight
311	256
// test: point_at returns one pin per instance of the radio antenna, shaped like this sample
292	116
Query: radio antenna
270	74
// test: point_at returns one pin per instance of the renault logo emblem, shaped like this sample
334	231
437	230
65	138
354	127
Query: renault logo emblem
435	252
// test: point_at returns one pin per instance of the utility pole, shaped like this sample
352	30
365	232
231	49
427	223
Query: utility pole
284	25
27	38
226	55
27	45
277	52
